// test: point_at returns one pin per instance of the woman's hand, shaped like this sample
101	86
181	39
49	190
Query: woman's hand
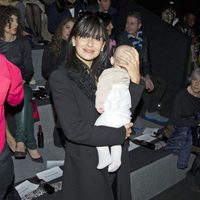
128	128
130	61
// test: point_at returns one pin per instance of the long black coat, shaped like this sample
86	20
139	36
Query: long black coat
77	115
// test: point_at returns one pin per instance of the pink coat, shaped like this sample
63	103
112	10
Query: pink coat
11	90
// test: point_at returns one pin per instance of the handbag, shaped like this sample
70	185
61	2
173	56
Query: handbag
196	136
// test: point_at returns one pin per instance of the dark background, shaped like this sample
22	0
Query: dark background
180	5
168	48
157	6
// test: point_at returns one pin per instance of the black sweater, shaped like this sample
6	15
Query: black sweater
185	110
19	53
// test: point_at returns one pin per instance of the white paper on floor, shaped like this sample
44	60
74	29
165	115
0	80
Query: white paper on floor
54	163
150	131
145	137
26	187
50	174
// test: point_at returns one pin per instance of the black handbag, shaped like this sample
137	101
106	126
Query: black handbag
196	136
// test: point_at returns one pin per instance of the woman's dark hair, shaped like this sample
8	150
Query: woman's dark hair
5	17
56	41
90	25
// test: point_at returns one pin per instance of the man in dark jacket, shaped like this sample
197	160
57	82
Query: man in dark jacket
155	86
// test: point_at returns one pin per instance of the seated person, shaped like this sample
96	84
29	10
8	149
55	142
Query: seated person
185	116
186	26
56	51
103	6
17	50
155	86
53	57
60	9
18	4
34	11
113	101
169	14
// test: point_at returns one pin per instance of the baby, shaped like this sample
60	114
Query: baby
113	101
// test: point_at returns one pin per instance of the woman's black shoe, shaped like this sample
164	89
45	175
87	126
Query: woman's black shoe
20	155
38	160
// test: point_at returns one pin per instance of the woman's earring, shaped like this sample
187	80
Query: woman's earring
103	47
73	42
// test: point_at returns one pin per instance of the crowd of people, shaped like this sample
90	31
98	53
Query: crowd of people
95	80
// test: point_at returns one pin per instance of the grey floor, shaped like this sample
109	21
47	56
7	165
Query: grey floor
26	168
180	191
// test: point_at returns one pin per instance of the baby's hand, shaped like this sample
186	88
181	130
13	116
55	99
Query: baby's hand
100	110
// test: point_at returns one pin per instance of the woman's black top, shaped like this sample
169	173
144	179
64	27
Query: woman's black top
186	108
19	53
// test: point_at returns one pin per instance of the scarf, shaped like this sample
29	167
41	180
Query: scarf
82	76
136	41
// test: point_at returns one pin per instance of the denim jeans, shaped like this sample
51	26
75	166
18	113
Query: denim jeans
180	143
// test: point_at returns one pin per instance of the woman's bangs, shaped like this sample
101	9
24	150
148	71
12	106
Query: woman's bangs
94	30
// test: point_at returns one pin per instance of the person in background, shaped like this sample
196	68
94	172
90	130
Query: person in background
19	5
169	14
107	18
113	101
11	89
61	9
73	90
53	56
34	10
186	26
185	111
103	6
17	50
55	52
155	86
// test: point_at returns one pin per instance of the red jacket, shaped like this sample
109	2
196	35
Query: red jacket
11	90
